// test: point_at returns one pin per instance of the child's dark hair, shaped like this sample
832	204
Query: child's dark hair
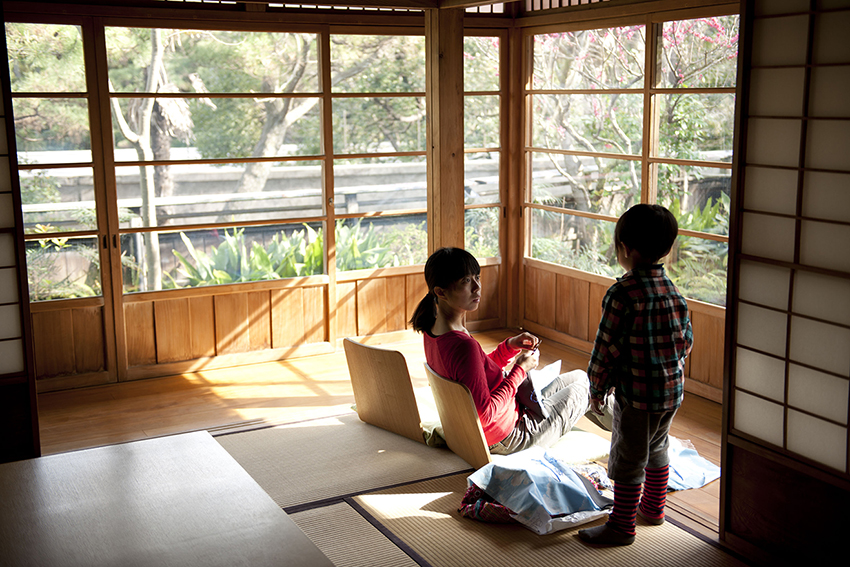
443	268
649	229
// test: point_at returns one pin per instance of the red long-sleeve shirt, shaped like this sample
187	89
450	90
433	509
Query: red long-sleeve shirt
457	356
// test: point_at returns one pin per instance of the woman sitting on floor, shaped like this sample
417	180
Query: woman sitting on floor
454	288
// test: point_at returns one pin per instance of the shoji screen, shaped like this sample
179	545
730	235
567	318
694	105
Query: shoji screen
789	360
18	429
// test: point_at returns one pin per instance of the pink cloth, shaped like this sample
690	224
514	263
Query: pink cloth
457	356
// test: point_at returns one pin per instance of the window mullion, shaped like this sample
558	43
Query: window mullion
649	185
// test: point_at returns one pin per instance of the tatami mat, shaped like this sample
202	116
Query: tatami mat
348	539
424	516
324	459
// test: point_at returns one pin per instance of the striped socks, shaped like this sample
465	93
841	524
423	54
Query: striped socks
626	497
654	494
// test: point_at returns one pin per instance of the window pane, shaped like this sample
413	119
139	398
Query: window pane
195	193
377	64
381	242
599	185
481	178
481	231
230	128
215	61
481	122
221	256
370	125
63	268
585	244
380	184
56	65
698	268
697	196
52	130
58	200
481	63
699	53
696	126
604	123
590	59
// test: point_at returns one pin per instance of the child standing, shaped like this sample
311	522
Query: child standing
639	356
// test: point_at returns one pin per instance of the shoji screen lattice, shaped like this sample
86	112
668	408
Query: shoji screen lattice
790	359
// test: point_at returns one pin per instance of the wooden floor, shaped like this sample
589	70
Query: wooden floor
306	388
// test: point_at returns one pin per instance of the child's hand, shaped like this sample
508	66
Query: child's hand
596	406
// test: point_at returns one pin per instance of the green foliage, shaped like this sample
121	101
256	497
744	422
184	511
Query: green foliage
713	218
698	266
384	63
45	57
409	243
299	254
481	63
45	259
358	248
481	232
591	256
39	188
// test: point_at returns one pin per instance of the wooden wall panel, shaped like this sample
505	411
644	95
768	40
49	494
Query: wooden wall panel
259	320
346	309
314	315
563	299
415	289
202	321
371	306
231	323
596	294
89	340
530	293
173	330
287	317
54	344
489	306
579	308
139	332
540	293
706	360
395	303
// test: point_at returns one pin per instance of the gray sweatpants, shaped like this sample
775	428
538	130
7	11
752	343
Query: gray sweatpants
639	440
567	398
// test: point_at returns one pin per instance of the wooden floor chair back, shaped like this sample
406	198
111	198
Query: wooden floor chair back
459	419
383	392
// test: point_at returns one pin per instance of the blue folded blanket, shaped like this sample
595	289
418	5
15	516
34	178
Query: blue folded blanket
687	468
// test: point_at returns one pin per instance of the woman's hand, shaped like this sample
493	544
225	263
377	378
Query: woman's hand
525	341
528	360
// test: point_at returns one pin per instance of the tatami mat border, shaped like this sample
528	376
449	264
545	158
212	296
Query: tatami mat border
387	533
347	497
249	426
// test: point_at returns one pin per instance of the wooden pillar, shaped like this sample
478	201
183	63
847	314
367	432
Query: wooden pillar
514	139
19	436
444	104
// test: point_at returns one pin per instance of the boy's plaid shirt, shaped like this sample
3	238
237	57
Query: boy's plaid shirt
643	339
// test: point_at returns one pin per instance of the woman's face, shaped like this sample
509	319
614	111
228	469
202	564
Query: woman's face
465	294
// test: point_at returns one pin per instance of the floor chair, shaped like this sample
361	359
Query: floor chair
383	391
461	426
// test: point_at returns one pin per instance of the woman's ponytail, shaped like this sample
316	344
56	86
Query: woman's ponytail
425	314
